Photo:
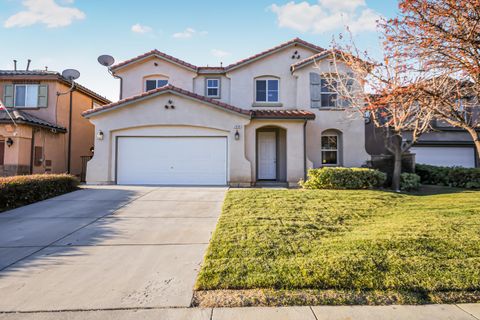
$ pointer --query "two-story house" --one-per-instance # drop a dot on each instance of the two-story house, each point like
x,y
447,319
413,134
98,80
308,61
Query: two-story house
x,y
267,118
47,133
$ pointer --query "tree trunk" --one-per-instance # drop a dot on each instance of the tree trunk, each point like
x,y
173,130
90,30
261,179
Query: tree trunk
x,y
476,139
397,162
397,171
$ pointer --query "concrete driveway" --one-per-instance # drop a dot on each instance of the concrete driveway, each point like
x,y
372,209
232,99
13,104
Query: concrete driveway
x,y
109,247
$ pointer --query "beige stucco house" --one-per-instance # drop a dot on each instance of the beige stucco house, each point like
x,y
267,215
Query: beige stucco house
x,y
44,131
267,118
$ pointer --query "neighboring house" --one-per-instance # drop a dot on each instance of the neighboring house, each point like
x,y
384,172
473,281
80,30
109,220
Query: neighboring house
x,y
267,118
50,135
443,146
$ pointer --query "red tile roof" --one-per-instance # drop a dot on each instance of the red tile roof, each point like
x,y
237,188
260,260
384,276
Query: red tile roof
x,y
155,52
261,114
311,59
271,50
165,89
283,114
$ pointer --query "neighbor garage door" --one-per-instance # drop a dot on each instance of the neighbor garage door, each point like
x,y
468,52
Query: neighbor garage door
x,y
172,160
445,156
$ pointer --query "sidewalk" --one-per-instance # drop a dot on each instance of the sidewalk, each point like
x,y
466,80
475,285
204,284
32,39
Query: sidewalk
x,y
426,312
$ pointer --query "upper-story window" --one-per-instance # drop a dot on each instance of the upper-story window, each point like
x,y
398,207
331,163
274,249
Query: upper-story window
x,y
26,95
213,87
152,84
267,90
324,93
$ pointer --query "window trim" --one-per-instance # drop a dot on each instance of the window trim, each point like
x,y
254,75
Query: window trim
x,y
26,85
156,83
219,81
267,101
337,150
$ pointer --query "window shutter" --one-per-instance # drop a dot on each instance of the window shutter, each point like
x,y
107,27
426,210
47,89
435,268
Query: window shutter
x,y
43,96
8,95
315,90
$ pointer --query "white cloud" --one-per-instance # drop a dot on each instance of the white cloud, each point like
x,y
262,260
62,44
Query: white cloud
x,y
47,12
219,53
138,28
326,15
188,33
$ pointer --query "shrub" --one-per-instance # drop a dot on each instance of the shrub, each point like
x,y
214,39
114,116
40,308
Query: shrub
x,y
409,181
449,176
344,178
22,190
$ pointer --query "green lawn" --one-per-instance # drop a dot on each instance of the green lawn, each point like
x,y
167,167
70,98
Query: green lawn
x,y
346,241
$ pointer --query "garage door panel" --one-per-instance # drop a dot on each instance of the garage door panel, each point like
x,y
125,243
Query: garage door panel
x,y
172,160
445,156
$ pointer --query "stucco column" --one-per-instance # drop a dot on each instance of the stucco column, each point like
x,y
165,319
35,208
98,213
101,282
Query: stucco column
x,y
295,155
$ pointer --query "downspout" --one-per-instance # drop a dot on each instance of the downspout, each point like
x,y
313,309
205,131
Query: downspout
x,y
305,150
121,82
32,148
69,152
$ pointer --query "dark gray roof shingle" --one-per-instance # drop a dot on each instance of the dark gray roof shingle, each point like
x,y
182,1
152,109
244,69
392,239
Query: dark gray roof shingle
x,y
23,117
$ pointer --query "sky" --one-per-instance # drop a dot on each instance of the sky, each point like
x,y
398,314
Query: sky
x,y
63,34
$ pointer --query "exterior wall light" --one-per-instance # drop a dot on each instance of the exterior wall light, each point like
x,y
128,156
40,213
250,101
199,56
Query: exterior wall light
x,y
9,142
100,135
237,135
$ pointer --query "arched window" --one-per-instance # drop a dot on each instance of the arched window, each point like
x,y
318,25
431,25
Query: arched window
x,y
155,81
331,148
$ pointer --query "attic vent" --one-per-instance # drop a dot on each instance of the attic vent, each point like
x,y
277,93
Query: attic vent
x,y
295,55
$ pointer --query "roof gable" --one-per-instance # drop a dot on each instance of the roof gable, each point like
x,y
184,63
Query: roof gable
x,y
163,90
206,70
261,55
157,54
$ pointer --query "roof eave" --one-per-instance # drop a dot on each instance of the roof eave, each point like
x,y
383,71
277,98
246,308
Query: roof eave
x,y
33,124
114,68
245,114
306,117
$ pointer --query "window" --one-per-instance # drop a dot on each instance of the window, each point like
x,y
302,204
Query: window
x,y
328,95
266,90
26,95
155,83
330,149
213,88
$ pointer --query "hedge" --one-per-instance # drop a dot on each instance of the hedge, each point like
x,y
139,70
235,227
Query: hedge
x,y
409,181
449,176
18,191
344,178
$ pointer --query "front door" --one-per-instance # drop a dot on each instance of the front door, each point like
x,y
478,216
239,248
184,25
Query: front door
x,y
267,155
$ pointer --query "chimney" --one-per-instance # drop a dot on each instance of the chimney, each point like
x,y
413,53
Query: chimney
x,y
15,65
28,64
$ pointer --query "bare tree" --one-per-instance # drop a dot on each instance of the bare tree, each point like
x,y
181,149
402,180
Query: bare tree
x,y
445,36
386,92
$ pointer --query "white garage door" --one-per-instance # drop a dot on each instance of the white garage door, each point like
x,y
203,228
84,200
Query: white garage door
x,y
445,156
172,160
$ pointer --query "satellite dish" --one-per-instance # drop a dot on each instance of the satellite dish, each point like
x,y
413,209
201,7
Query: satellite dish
x,y
106,60
71,74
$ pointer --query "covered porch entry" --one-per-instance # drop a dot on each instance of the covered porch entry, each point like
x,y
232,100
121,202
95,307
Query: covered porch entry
x,y
275,146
